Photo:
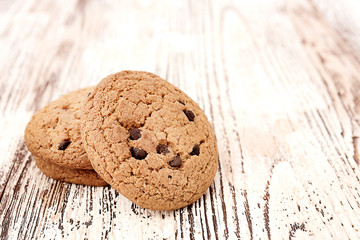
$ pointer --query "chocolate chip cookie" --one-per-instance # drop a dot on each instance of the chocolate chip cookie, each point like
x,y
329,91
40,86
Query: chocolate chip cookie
x,y
53,133
149,140
77,176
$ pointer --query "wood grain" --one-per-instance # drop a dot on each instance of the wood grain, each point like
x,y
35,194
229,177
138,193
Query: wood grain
x,y
279,81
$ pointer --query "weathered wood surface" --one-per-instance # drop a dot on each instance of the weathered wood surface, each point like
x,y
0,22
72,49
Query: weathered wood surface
x,y
279,80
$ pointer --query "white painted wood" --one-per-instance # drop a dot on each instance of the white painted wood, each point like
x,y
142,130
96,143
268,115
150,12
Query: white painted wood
x,y
279,80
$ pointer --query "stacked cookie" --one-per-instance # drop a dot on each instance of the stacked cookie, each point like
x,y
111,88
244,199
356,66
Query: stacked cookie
x,y
53,136
138,132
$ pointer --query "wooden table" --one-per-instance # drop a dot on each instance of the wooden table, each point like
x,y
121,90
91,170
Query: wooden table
x,y
279,81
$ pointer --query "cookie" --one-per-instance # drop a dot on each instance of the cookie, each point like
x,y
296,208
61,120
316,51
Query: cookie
x,y
53,133
149,140
77,176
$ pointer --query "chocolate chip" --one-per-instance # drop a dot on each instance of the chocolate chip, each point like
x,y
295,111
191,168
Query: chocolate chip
x,y
89,94
135,134
190,115
175,162
195,150
64,144
181,102
138,153
162,149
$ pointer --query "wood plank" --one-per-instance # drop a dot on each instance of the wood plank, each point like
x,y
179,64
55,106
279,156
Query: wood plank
x,y
343,17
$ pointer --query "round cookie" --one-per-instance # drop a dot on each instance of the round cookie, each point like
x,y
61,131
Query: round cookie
x,y
77,176
149,140
53,133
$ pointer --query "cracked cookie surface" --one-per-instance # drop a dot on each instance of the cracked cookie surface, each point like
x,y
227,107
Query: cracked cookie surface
x,y
149,140
77,176
53,133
